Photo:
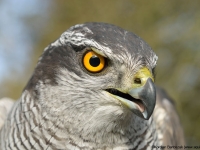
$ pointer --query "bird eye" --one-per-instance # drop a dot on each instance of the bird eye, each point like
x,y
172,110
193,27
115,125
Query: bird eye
x,y
93,62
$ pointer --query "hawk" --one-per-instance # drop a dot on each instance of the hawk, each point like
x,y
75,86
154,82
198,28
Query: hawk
x,y
93,88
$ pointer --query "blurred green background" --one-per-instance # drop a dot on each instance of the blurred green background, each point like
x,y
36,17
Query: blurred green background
x,y
170,27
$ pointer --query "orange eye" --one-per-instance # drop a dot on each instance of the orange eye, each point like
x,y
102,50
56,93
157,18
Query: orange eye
x,y
93,62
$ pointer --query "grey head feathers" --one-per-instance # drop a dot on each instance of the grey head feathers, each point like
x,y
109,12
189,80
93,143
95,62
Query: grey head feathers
x,y
111,41
64,89
66,106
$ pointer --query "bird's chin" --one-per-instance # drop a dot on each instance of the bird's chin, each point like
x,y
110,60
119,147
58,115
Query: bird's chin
x,y
134,105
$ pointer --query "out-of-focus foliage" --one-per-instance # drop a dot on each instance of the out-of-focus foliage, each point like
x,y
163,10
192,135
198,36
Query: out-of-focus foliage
x,y
171,27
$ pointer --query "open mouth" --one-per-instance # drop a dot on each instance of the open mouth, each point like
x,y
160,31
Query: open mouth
x,y
128,97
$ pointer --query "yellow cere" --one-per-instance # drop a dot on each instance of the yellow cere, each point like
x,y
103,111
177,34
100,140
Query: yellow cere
x,y
143,74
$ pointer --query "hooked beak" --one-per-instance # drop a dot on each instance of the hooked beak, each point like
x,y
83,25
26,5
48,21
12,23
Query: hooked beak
x,y
141,98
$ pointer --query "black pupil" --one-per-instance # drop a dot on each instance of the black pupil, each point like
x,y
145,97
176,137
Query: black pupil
x,y
94,61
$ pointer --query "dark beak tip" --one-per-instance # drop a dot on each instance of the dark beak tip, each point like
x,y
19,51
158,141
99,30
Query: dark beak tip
x,y
148,96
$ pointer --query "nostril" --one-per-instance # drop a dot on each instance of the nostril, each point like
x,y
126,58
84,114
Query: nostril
x,y
137,81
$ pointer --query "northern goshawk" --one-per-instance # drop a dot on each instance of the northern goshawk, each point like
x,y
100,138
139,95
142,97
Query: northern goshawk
x,y
93,88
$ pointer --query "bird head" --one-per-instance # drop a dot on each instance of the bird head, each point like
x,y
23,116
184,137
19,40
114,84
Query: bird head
x,y
95,73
